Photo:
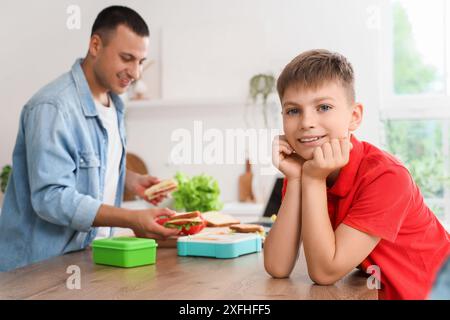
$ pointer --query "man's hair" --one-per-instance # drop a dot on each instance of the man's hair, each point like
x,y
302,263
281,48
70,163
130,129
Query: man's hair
x,y
312,69
111,17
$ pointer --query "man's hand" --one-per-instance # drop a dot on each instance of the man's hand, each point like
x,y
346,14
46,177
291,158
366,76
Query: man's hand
x,y
145,226
285,159
327,158
138,183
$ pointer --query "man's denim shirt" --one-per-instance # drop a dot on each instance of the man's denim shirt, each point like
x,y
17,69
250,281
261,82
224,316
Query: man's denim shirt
x,y
57,182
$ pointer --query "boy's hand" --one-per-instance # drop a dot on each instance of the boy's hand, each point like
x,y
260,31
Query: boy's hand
x,y
285,159
327,158
144,223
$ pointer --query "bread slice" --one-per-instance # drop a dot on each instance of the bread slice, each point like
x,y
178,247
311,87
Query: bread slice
x,y
185,215
180,222
247,228
217,219
161,188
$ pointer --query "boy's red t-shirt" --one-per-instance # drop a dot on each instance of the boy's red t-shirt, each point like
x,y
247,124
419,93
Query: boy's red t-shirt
x,y
375,193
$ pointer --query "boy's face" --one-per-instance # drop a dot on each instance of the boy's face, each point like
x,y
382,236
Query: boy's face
x,y
312,117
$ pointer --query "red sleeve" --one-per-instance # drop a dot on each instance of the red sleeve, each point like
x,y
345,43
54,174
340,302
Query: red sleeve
x,y
382,203
283,190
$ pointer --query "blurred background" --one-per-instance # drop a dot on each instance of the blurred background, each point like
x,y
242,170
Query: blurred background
x,y
203,56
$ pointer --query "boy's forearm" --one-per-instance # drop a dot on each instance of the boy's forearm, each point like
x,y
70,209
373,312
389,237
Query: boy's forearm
x,y
282,244
317,231
109,216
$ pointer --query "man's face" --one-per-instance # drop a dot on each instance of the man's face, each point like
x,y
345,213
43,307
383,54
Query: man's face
x,y
312,117
120,62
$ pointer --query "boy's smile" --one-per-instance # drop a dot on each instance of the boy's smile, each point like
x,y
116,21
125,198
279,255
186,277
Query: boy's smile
x,y
311,141
313,116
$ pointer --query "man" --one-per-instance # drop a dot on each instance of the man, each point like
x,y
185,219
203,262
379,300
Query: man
x,y
69,169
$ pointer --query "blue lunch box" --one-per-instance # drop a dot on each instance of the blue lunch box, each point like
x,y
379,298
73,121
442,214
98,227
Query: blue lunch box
x,y
221,246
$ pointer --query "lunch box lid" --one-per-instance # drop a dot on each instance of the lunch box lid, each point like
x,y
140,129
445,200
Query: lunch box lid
x,y
219,245
230,238
124,243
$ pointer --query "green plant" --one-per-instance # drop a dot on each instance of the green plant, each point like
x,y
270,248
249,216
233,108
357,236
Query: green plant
x,y
4,177
418,144
411,74
262,85
200,193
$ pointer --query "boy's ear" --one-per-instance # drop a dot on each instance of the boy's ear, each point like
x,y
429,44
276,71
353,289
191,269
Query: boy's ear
x,y
357,114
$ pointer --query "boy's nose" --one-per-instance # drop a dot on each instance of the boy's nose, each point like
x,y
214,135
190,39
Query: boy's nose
x,y
307,121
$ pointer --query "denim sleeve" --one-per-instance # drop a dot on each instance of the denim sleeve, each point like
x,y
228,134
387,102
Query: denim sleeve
x,y
51,165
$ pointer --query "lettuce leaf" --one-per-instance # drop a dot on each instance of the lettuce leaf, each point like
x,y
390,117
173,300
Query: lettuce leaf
x,y
179,227
200,193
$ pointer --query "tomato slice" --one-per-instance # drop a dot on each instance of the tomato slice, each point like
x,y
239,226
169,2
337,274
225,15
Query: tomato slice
x,y
161,221
184,231
193,229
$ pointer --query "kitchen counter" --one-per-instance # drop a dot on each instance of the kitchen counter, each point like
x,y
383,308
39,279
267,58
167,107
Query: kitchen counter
x,y
174,277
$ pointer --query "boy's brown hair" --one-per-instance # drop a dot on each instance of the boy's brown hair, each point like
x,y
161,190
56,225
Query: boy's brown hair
x,y
313,68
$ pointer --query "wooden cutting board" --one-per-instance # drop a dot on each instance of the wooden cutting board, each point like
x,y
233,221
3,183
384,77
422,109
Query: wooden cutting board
x,y
136,164
245,184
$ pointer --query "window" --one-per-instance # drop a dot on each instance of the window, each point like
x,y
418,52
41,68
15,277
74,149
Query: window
x,y
418,47
416,96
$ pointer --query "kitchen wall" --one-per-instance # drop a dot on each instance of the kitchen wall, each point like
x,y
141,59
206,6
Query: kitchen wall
x,y
205,52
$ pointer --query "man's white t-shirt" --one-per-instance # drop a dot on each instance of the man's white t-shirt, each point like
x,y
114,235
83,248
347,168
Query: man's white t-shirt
x,y
108,116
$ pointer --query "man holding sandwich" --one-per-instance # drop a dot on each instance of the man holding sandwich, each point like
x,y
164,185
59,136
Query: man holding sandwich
x,y
69,170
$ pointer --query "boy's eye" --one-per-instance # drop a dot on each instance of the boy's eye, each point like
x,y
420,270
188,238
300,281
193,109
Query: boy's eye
x,y
292,112
324,107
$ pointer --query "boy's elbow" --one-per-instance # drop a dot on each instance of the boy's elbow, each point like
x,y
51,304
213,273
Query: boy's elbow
x,y
276,272
322,278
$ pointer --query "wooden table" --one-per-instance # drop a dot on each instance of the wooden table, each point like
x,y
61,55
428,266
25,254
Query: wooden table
x,y
174,277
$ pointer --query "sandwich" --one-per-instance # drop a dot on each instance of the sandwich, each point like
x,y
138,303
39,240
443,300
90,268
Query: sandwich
x,y
188,223
217,219
161,188
249,228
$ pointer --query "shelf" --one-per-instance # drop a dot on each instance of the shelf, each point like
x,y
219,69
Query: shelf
x,y
185,104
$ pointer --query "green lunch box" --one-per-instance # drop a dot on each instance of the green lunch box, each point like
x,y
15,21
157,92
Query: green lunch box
x,y
124,252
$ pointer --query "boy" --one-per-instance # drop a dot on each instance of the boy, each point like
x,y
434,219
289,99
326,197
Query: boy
x,y
348,202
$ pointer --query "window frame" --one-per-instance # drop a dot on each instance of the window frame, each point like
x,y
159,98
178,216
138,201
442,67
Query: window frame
x,y
416,106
